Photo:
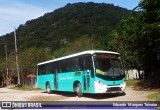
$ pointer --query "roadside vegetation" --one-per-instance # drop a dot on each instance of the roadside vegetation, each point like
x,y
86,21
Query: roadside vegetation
x,y
132,82
24,88
143,85
155,96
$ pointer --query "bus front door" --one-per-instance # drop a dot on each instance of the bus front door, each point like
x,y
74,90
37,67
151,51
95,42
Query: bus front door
x,y
86,80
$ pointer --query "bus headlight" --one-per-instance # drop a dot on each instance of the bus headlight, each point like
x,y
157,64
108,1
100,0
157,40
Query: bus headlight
x,y
100,87
99,82
123,85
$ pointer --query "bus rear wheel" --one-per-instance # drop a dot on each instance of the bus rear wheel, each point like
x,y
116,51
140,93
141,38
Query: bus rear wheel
x,y
79,90
48,88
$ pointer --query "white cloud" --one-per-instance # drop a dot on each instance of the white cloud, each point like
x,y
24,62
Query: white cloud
x,y
15,13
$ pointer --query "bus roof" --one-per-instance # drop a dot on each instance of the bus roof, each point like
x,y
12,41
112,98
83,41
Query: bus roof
x,y
78,54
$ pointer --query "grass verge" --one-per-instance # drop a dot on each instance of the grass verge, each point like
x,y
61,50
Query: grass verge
x,y
24,88
132,82
154,96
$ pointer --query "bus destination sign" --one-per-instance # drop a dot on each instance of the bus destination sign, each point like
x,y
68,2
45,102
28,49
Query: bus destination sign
x,y
108,55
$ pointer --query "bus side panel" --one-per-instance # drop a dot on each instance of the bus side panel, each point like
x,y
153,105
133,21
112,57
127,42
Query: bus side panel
x,y
87,84
43,79
92,87
66,80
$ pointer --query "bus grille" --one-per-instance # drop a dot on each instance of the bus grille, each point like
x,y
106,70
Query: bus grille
x,y
112,89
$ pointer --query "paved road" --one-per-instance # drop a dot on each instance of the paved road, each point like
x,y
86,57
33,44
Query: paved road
x,y
38,95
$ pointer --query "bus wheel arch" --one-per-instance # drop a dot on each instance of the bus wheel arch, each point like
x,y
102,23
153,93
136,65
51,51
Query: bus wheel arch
x,y
48,87
78,88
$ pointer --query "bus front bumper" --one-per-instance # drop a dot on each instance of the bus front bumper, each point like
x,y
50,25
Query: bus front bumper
x,y
103,88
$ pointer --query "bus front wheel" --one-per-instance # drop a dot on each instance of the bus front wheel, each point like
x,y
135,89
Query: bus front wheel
x,y
48,88
79,90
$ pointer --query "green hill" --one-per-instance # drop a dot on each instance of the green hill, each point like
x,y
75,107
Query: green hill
x,y
68,23
72,28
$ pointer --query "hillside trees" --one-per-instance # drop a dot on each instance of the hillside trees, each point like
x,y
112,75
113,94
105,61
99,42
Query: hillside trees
x,y
81,44
28,60
150,40
137,38
78,45
70,22
3,72
125,40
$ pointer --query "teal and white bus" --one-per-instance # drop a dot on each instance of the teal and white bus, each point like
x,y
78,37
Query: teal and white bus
x,y
92,71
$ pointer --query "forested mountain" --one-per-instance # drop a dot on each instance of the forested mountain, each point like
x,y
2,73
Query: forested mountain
x,y
66,24
72,28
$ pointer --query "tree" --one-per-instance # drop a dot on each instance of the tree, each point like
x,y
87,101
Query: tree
x,y
137,38
125,41
29,58
81,44
149,16
3,75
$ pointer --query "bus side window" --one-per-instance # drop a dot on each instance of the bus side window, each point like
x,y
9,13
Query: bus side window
x,y
75,64
54,67
47,69
41,69
87,63
51,68
61,66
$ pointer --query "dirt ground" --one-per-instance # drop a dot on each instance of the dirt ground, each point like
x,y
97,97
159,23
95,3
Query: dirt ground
x,y
39,95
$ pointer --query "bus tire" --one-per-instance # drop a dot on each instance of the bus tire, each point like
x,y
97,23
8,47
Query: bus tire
x,y
48,88
79,90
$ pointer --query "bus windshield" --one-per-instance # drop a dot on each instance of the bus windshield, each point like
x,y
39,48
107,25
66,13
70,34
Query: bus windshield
x,y
108,65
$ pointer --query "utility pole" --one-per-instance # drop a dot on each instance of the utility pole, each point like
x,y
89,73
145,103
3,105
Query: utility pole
x,y
6,58
17,64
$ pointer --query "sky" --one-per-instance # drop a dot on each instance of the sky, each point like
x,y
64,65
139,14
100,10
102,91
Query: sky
x,y
16,12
